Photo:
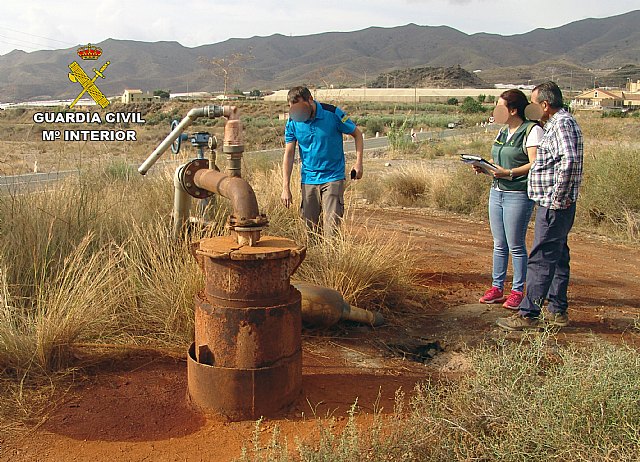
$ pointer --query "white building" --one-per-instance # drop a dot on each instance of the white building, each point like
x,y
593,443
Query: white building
x,y
135,96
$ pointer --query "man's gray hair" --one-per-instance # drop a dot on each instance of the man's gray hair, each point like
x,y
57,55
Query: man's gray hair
x,y
551,93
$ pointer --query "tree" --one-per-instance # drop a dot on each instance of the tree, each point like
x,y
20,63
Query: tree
x,y
491,99
255,93
452,101
162,94
229,67
471,105
481,98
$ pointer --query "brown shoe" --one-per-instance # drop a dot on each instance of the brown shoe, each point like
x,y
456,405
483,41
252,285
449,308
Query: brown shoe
x,y
517,322
556,319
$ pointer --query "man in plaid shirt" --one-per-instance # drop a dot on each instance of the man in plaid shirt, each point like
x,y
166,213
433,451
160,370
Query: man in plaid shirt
x,y
554,181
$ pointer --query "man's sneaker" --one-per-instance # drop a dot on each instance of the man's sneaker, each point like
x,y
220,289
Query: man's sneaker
x,y
493,295
513,301
556,319
517,322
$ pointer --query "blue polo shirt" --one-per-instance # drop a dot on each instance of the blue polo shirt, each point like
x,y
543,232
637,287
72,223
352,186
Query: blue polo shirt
x,y
320,143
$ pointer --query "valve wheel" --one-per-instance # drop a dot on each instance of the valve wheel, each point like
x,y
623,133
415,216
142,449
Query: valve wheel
x,y
175,146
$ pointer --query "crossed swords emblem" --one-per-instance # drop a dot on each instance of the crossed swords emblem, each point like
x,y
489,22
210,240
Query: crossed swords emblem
x,y
77,74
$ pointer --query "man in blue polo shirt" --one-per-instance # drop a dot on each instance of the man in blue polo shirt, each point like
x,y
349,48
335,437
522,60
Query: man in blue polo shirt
x,y
317,129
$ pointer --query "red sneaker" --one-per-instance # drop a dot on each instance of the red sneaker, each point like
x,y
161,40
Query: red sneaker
x,y
493,295
513,301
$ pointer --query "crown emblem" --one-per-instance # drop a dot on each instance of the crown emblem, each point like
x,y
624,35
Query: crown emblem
x,y
89,52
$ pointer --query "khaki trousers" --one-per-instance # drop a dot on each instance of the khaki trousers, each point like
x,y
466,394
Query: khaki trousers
x,y
327,198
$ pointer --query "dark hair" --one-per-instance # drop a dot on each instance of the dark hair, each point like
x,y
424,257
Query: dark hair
x,y
551,93
297,93
515,99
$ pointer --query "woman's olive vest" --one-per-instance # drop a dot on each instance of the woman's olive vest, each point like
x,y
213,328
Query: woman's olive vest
x,y
512,154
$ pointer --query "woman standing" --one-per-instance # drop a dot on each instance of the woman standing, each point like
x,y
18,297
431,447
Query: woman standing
x,y
510,208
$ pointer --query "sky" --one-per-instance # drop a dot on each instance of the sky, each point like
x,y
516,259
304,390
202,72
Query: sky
x,y
31,25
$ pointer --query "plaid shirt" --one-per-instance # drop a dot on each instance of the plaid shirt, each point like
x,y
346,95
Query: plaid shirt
x,y
556,174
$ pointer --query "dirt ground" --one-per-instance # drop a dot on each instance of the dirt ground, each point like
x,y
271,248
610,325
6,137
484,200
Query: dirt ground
x,y
136,409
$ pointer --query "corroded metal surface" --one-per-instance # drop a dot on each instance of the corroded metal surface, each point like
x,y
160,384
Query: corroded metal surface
x,y
246,360
188,173
243,394
248,337
249,273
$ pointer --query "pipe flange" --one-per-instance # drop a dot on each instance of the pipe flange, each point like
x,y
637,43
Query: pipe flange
x,y
187,178
242,222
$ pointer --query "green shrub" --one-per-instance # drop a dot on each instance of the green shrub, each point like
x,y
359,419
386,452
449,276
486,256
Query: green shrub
x,y
120,170
375,125
615,114
471,106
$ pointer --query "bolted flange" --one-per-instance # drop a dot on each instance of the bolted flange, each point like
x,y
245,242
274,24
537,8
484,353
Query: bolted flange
x,y
187,178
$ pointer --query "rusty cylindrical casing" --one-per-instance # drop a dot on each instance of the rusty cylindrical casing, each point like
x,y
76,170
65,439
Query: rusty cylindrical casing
x,y
246,361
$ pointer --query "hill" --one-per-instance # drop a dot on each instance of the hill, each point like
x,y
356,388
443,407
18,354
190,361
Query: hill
x,y
337,58
429,77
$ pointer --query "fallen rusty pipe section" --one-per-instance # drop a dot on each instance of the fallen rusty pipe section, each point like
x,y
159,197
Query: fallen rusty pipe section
x,y
324,307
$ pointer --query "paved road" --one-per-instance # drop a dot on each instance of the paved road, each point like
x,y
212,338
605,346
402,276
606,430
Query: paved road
x,y
38,181
383,142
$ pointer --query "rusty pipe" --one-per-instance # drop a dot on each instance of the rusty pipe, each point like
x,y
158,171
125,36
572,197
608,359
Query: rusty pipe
x,y
324,307
233,146
236,189
195,113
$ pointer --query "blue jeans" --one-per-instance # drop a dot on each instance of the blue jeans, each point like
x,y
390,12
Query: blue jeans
x,y
549,267
509,215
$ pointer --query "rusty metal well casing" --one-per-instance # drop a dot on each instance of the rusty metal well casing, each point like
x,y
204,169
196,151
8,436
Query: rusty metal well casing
x,y
246,360
246,338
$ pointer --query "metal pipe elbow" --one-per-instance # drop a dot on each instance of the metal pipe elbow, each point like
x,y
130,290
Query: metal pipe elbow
x,y
237,190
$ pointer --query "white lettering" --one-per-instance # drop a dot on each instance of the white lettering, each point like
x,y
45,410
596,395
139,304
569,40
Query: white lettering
x,y
124,117
100,135
67,117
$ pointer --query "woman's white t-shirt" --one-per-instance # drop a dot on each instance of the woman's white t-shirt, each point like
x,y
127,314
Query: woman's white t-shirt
x,y
535,135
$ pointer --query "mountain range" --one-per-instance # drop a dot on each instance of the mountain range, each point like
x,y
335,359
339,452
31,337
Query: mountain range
x,y
578,54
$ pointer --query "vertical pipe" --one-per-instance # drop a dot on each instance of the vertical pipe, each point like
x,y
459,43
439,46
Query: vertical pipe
x,y
181,204
233,146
